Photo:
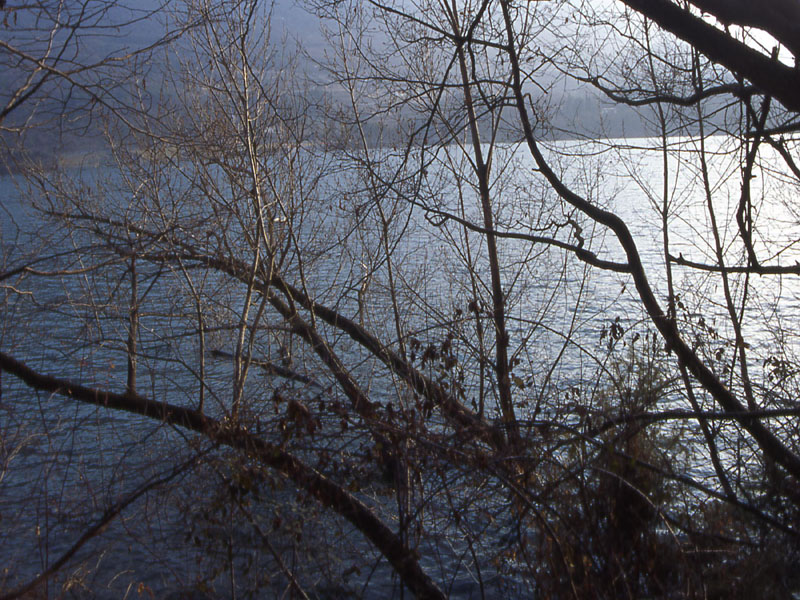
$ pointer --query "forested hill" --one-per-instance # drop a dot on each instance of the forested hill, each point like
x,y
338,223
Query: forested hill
x,y
66,133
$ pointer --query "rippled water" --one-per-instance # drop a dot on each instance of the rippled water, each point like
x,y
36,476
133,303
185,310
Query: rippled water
x,y
65,463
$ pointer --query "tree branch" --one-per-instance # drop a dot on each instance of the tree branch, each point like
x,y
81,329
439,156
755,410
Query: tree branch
x,y
327,492
770,76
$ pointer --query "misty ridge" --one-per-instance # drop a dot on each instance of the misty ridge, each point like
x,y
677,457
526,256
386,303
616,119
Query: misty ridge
x,y
565,111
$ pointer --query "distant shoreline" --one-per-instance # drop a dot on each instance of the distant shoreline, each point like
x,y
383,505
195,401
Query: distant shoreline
x,y
92,159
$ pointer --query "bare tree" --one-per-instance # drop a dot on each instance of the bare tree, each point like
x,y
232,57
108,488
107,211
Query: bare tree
x,y
399,339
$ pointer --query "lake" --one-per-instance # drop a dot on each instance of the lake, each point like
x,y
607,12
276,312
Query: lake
x,y
63,464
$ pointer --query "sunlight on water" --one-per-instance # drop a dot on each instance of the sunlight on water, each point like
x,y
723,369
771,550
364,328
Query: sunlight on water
x,y
558,317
